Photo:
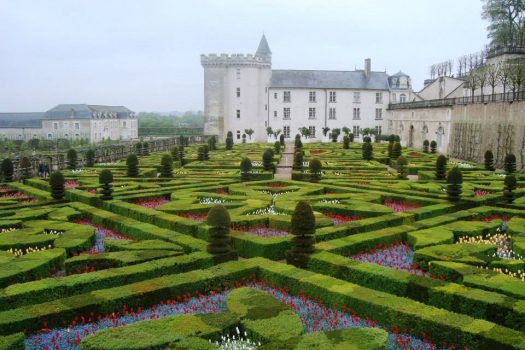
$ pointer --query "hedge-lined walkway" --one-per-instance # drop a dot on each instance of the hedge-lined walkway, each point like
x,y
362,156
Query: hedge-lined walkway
x,y
284,168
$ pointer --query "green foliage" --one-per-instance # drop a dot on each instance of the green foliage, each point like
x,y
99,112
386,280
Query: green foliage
x,y
510,186
145,148
389,149
335,134
212,143
246,168
303,230
392,138
367,150
396,150
510,163
105,178
249,132
90,158
277,147
346,142
316,169
425,146
181,155
351,137
298,143
132,163
346,130
219,241
56,181
174,152
441,167
402,168
166,166
281,140
26,168
72,158
138,148
326,130
297,160
433,146
229,141
489,161
267,160
454,181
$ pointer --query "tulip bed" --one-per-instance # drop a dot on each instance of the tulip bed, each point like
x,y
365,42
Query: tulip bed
x,y
396,265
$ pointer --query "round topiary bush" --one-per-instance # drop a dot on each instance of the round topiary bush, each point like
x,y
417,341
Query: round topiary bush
x,y
425,146
402,168
346,142
367,151
166,166
297,160
90,158
489,161
7,170
132,163
56,182
72,158
267,160
219,241
510,163
433,146
26,168
105,178
316,169
396,150
441,167
297,142
454,181
303,231
246,169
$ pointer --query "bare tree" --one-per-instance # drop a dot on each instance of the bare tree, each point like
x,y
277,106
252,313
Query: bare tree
x,y
493,76
481,77
471,81
516,76
504,77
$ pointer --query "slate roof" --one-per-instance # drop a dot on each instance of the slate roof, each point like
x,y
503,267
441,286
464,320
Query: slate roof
x,y
324,79
21,120
83,111
264,49
400,74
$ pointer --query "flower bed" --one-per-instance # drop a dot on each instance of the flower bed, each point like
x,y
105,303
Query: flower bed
x,y
481,193
13,195
152,203
100,235
277,185
341,219
262,231
399,206
71,184
200,217
494,217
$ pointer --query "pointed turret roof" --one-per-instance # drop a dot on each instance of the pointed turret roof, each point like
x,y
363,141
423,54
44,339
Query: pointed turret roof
x,y
264,49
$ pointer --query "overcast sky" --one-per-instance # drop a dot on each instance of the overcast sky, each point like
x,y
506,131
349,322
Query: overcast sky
x,y
146,54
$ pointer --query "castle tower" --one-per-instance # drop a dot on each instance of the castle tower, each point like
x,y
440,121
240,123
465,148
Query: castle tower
x,y
236,92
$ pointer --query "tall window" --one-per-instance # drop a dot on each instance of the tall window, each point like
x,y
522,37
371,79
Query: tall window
x,y
55,126
275,114
311,113
238,73
379,97
275,95
238,114
286,131
238,92
394,98
402,98
332,97
311,128
356,130
331,113
238,134
286,113
378,130
287,96
77,126
379,114
357,114
311,96
357,97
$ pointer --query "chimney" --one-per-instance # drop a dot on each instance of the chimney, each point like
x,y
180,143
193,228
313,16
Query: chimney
x,y
368,66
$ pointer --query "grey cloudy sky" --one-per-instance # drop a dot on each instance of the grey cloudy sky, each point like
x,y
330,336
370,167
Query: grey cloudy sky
x,y
145,54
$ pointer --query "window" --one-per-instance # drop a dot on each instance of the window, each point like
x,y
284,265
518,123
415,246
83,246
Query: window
x,y
357,97
50,136
238,134
402,98
124,124
238,114
77,126
331,113
55,126
379,114
357,114
286,113
394,98
379,97
332,97
311,128
238,92
65,125
311,113
287,96
378,130
238,73
275,114
311,96
275,95
356,130
286,131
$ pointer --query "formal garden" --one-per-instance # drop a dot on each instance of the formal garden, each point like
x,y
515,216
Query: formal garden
x,y
367,245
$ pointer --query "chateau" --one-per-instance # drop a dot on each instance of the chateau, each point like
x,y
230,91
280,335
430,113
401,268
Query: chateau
x,y
243,92
71,121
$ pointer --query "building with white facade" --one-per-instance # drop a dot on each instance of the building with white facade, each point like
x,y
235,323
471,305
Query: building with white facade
x,y
71,121
243,92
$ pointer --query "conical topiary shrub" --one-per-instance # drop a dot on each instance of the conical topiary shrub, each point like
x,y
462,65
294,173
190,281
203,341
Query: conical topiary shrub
x,y
174,153
510,163
441,167
454,181
298,143
219,241
303,231
433,146
246,169
26,168
7,170
396,151
72,158
425,146
297,160
90,158
277,147
389,149
56,182
510,186
206,152
402,168
229,141
351,137
145,148
132,163
105,178
281,140
367,151
346,142
267,160
166,166
316,169
489,161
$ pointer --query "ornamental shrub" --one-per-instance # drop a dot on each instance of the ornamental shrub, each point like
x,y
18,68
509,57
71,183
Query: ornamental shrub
x,y
90,158
396,150
433,146
281,140
351,137
389,149
246,168
229,143
367,139
26,168
105,178
367,151
392,138
489,161
303,231
267,159
206,152
219,240
7,170
298,143
297,160
166,166
402,168
132,162
56,182
138,148
181,155
510,185
243,138
200,153
425,146
335,134
441,167
277,147
174,153
228,134
212,143
454,181
510,163
346,142
315,169
72,157
145,148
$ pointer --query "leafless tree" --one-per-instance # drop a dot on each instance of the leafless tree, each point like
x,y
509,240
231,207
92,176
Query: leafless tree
x,y
493,76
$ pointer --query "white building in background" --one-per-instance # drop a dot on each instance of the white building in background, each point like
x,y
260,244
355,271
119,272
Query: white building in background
x,y
243,92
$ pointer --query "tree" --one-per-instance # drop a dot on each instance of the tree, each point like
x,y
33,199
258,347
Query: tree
x,y
276,133
425,146
298,143
454,181
506,18
441,167
516,75
229,142
206,152
269,131
243,138
105,178
249,132
72,157
26,168
138,148
471,81
267,160
277,147
174,152
281,140
315,169
132,162
246,169
481,76
181,155
351,137
166,166
510,185
56,182
219,240
396,150
303,231
402,168
335,134
7,170
367,151
145,148
433,146
510,163
346,142
390,148
90,158
493,76
346,130
297,160
489,161
200,153
212,142
326,130
305,132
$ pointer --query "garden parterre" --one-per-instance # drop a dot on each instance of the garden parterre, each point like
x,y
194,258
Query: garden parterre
x,y
396,264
